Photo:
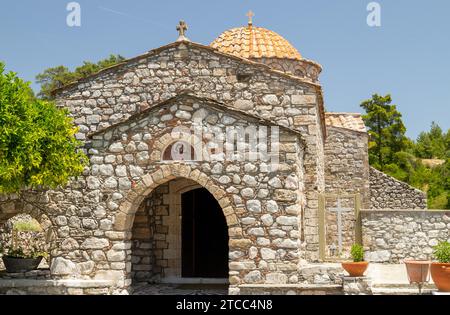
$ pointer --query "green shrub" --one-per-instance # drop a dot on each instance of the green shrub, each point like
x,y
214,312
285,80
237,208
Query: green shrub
x,y
28,226
25,240
442,252
357,253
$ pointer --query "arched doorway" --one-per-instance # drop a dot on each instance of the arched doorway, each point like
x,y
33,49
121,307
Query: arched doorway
x,y
180,235
204,236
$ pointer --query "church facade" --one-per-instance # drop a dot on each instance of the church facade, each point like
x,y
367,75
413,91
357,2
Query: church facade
x,y
210,162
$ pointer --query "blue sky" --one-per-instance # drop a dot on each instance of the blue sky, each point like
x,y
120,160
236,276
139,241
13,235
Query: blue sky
x,y
408,56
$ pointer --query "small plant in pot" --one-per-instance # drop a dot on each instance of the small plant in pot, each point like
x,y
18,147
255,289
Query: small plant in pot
x,y
24,249
440,271
358,266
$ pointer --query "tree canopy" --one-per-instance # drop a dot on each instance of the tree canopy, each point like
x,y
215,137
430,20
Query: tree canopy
x,y
386,130
37,144
434,144
393,153
56,77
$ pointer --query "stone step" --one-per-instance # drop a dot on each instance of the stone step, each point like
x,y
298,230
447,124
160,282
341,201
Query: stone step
x,y
400,291
402,286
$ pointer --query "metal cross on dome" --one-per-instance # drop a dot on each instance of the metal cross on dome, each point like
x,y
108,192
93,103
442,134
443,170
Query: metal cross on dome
x,y
182,28
250,15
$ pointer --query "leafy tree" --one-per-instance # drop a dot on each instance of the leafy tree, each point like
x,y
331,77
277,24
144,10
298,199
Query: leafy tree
x,y
432,144
393,153
386,130
56,77
37,144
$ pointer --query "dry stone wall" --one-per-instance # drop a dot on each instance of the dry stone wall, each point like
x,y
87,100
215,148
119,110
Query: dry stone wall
x,y
388,193
390,236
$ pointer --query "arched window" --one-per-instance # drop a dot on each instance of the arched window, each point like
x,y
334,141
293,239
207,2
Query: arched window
x,y
179,151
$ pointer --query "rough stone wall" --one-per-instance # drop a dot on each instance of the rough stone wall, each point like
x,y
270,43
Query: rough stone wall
x,y
300,68
40,283
388,193
114,95
346,173
94,215
156,239
143,249
347,163
314,184
390,236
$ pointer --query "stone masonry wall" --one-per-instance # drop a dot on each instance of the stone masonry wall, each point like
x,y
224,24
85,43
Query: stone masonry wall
x,y
347,163
346,173
390,236
300,68
388,193
114,95
93,217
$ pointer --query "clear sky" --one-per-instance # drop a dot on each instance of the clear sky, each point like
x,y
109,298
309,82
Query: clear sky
x,y
407,56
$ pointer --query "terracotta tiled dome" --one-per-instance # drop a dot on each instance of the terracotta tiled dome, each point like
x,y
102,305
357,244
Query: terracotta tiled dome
x,y
255,42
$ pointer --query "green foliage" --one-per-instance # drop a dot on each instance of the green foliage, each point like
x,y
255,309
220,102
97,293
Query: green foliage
x,y
433,144
442,252
25,240
37,144
20,253
56,77
386,130
393,153
27,226
357,253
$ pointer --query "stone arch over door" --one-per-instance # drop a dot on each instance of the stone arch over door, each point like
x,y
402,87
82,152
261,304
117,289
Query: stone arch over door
x,y
167,172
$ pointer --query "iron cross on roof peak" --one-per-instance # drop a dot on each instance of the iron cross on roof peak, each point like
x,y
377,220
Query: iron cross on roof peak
x,y
182,28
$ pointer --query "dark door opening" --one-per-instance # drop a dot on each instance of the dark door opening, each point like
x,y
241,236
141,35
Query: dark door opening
x,y
204,236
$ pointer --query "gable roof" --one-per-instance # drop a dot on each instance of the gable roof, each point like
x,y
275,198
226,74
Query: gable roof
x,y
351,121
194,45
295,79
210,102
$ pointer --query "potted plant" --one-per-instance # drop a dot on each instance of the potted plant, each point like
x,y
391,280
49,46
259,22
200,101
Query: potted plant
x,y
440,271
24,249
358,266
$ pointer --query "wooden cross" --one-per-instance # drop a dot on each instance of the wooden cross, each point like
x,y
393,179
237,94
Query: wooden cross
x,y
182,28
250,15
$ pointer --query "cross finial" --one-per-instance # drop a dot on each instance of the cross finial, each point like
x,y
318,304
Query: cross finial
x,y
250,15
182,28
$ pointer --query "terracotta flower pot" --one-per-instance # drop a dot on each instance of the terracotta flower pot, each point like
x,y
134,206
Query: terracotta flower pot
x,y
418,271
441,276
355,269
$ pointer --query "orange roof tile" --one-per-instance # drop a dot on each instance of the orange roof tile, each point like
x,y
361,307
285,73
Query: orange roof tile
x,y
352,121
255,42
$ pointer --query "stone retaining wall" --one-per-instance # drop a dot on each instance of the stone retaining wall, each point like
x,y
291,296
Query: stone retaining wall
x,y
21,284
388,193
291,289
390,236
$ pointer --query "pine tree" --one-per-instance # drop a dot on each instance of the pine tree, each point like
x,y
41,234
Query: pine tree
x,y
386,130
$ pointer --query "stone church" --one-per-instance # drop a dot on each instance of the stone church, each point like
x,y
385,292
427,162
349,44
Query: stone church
x,y
211,163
